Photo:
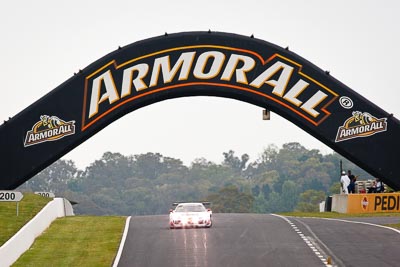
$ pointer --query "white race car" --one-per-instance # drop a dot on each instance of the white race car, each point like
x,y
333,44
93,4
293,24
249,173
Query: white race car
x,y
187,215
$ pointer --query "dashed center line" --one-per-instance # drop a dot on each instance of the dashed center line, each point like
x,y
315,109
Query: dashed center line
x,y
305,239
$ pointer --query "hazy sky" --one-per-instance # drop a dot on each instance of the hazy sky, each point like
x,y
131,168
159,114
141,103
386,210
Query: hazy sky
x,y
44,42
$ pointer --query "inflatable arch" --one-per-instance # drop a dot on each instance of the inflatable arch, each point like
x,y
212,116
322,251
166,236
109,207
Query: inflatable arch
x,y
199,64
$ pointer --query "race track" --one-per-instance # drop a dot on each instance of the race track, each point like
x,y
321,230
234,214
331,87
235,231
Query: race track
x,y
260,240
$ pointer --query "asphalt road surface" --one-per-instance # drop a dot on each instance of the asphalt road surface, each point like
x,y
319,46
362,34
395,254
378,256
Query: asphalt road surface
x,y
261,240
355,241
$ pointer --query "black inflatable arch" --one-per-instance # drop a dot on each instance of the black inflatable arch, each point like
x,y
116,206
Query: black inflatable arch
x,y
199,64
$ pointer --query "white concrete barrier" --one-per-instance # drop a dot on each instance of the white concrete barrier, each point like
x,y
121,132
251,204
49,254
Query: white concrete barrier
x,y
339,203
322,206
24,238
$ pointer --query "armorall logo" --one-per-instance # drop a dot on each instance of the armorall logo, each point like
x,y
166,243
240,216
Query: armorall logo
x,y
277,78
361,124
49,128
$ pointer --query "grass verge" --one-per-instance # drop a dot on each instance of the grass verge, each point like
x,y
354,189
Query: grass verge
x,y
10,223
76,241
397,225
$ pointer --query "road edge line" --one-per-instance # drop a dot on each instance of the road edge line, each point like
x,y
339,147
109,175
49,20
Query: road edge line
x,y
358,222
122,243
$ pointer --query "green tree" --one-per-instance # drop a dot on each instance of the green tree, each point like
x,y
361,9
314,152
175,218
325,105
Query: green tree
x,y
289,196
335,189
110,171
255,190
230,200
54,178
274,203
148,165
309,201
260,204
237,164
266,190
148,183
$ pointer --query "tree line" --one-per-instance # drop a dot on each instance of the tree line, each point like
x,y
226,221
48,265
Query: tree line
x,y
282,179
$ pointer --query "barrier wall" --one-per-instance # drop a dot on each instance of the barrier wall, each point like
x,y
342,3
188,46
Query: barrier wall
x,y
385,202
366,203
339,203
21,241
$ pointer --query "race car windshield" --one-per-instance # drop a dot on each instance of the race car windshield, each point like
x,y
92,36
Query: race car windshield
x,y
190,208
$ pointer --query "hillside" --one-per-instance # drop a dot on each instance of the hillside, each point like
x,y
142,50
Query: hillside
x,y
10,223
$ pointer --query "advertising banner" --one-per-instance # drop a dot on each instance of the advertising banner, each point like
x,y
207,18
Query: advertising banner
x,y
369,203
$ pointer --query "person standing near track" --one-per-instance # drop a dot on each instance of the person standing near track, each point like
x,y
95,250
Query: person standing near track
x,y
344,182
352,185
380,188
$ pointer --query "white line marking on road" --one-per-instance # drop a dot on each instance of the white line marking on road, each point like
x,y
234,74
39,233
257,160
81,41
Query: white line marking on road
x,y
305,239
122,244
357,222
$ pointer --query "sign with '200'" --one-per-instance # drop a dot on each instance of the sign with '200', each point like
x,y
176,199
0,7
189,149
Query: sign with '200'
x,y
10,196
45,194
